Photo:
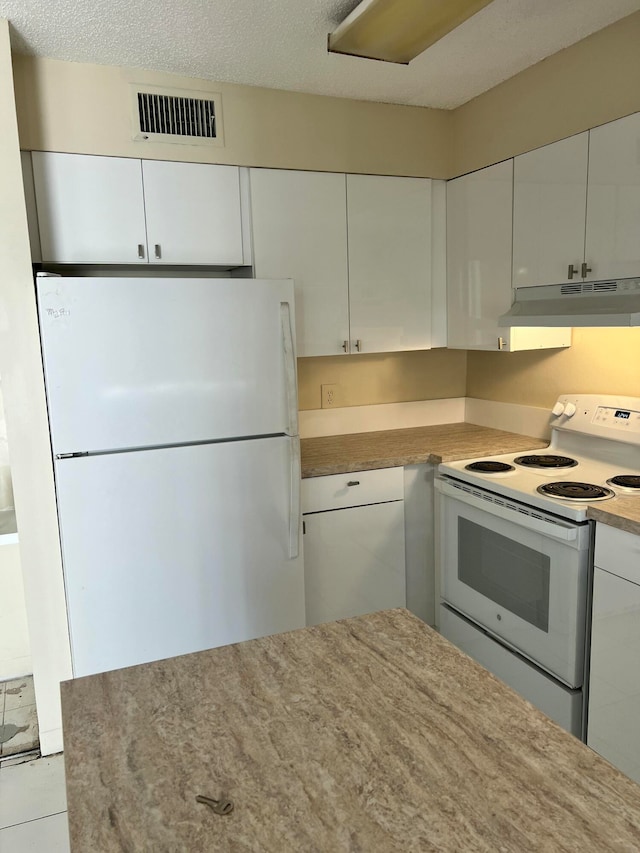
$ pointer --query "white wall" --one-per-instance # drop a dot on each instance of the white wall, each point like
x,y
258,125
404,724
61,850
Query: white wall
x,y
27,428
15,652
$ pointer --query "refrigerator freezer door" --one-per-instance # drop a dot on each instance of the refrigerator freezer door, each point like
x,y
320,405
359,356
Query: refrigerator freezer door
x,y
176,550
149,362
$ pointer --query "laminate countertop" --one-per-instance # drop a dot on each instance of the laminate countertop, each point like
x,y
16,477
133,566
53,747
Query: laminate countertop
x,y
362,451
622,512
368,734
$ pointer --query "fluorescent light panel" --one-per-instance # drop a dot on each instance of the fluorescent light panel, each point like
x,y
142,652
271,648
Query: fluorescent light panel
x,y
399,30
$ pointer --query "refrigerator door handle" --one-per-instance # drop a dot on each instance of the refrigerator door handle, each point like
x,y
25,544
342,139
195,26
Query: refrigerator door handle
x,y
289,368
295,507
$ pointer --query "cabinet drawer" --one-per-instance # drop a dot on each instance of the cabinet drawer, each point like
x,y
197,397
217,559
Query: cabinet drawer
x,y
618,552
355,489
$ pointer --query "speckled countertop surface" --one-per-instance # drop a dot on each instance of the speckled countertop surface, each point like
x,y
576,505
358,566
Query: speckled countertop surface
x,y
362,451
622,512
369,734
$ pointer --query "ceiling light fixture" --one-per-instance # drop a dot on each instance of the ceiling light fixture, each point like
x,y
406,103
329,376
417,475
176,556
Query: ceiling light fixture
x,y
399,30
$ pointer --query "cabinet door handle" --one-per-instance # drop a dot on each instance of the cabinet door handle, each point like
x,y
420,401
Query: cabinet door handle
x,y
158,251
585,270
572,270
353,483
501,343
141,251
359,345
345,346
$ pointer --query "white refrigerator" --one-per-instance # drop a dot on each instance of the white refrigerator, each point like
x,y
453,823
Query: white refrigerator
x,y
174,431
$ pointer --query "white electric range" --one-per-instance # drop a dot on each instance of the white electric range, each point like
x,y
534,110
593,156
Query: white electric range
x,y
515,549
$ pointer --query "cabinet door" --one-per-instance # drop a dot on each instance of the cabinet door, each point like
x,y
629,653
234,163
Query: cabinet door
x,y
193,213
613,200
354,561
549,207
300,232
90,209
389,222
614,680
479,211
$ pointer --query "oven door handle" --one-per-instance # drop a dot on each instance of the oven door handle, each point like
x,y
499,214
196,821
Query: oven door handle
x,y
553,529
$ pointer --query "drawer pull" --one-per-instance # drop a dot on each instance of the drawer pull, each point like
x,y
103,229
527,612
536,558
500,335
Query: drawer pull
x,y
353,483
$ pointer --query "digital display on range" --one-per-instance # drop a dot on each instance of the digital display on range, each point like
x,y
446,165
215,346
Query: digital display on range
x,y
622,414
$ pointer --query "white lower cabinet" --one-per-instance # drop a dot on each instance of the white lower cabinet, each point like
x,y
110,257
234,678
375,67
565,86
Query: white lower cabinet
x,y
353,548
614,677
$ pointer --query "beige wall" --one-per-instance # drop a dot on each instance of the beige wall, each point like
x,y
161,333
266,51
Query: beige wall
x,y
594,81
80,108
27,428
397,377
591,82
86,108
603,361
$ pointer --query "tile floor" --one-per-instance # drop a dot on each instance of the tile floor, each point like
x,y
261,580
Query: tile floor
x,y
18,719
33,817
33,802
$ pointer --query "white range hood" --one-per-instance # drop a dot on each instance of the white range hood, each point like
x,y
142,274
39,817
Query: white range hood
x,y
591,303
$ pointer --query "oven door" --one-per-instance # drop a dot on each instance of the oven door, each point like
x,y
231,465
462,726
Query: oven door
x,y
519,573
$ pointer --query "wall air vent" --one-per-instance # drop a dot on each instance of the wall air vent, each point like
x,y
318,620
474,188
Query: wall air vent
x,y
175,115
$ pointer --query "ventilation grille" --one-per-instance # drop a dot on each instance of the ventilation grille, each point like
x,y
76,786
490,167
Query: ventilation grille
x,y
514,506
567,289
589,287
176,116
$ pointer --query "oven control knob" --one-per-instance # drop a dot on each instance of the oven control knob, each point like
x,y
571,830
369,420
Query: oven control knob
x,y
558,409
570,410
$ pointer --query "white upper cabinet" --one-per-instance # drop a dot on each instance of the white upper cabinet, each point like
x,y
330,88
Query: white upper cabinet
x,y
358,250
479,256
300,232
549,205
479,233
116,210
613,201
90,209
193,213
389,228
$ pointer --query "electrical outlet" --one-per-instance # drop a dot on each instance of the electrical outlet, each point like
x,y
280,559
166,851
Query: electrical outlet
x,y
329,394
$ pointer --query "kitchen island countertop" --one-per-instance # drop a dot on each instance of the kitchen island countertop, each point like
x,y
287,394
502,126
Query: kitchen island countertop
x,y
363,451
372,733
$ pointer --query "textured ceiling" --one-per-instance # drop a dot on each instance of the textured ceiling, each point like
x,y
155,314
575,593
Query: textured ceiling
x,y
282,43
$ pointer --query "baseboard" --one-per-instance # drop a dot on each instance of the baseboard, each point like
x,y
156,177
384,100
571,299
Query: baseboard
x,y
51,742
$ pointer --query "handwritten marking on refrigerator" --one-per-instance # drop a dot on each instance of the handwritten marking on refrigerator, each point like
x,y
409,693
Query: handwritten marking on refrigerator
x,y
56,313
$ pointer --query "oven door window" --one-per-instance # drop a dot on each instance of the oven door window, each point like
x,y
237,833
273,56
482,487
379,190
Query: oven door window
x,y
510,574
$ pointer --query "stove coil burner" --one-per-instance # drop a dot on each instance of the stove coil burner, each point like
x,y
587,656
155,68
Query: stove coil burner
x,y
575,491
489,466
626,481
545,460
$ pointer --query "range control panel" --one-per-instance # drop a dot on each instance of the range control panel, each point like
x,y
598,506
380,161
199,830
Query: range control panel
x,y
598,414
626,419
